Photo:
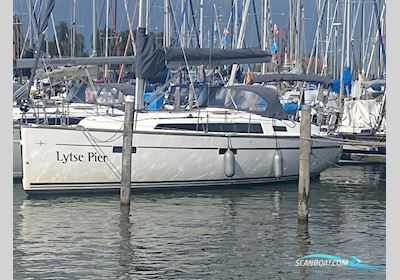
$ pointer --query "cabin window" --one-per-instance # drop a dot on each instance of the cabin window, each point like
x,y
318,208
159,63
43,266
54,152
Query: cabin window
x,y
51,120
242,100
214,127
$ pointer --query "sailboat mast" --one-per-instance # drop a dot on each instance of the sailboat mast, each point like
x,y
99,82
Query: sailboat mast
x,y
148,15
73,28
139,87
106,43
319,15
362,38
291,32
167,36
236,23
341,90
94,50
30,24
348,10
327,35
265,32
201,29
183,25
298,35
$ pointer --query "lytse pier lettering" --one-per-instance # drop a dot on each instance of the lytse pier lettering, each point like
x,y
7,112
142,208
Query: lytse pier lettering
x,y
71,157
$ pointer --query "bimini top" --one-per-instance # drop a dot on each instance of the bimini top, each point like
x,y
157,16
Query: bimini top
x,y
257,99
323,80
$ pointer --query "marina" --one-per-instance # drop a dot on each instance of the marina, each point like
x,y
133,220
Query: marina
x,y
243,143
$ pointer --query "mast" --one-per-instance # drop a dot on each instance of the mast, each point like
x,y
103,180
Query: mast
x,y
148,15
319,15
167,36
348,10
265,32
298,35
46,35
30,24
139,87
327,37
236,23
291,33
362,38
301,34
201,29
73,29
114,30
94,50
211,38
342,56
106,47
183,25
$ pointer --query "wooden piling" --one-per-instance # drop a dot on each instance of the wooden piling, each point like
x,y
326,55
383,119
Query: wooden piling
x,y
304,162
125,193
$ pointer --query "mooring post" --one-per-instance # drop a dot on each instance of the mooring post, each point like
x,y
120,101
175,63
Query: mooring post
x,y
125,193
304,162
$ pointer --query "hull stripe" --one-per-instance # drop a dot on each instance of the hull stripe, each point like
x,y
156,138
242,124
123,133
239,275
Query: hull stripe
x,y
161,183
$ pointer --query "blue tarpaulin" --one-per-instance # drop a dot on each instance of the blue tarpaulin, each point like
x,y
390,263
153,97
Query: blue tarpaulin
x,y
274,48
290,108
346,82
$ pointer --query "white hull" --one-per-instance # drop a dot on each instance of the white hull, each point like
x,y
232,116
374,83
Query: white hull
x,y
17,161
75,110
81,159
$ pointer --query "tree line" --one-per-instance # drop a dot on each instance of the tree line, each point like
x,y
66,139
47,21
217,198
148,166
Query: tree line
x,y
117,42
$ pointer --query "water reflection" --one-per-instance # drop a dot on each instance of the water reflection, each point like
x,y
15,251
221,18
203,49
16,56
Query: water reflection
x,y
126,254
303,242
246,232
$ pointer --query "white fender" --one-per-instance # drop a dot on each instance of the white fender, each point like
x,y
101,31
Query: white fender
x,y
278,164
229,163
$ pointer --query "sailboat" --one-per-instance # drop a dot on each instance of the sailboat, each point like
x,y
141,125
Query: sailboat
x,y
241,137
234,135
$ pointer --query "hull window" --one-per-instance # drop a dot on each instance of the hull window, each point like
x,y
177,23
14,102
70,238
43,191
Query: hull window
x,y
214,127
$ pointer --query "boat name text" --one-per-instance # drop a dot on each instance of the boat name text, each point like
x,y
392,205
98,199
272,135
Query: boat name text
x,y
71,157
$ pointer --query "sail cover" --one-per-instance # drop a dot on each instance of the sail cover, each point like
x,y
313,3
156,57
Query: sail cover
x,y
175,57
152,59
324,81
360,114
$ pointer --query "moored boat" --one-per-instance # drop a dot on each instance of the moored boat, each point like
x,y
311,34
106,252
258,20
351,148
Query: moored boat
x,y
240,137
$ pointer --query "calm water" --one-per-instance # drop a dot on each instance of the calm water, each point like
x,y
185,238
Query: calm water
x,y
236,233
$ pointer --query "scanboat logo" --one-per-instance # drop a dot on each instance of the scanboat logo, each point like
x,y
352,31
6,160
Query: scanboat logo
x,y
329,260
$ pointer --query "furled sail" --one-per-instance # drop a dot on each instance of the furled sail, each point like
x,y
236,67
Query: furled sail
x,y
323,80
